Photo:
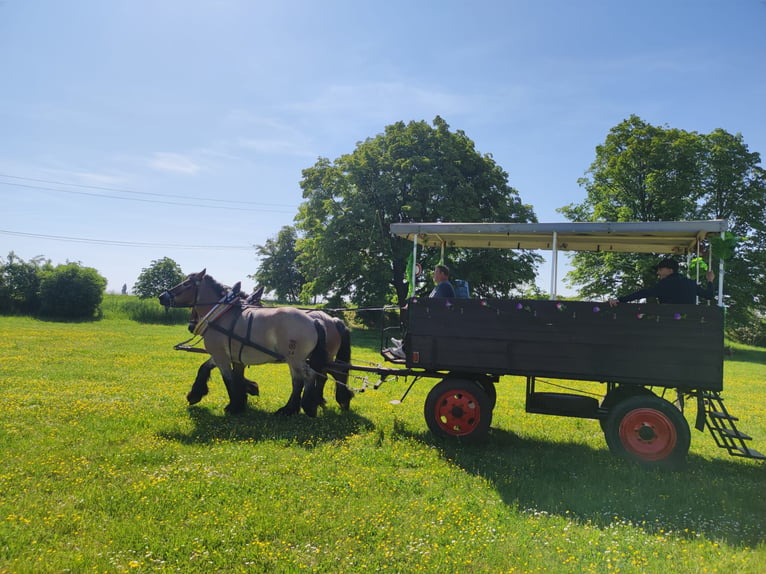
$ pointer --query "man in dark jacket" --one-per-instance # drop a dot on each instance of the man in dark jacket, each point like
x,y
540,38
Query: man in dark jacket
x,y
672,287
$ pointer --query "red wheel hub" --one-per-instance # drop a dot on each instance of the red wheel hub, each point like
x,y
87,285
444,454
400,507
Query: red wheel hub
x,y
648,434
457,413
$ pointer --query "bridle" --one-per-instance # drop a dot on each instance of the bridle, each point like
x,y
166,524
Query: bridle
x,y
170,296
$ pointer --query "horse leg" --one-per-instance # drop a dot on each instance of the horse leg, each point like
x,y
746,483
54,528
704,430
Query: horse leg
x,y
235,385
199,388
343,394
319,382
311,397
294,402
251,387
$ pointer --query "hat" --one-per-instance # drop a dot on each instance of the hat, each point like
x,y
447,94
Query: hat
x,y
668,263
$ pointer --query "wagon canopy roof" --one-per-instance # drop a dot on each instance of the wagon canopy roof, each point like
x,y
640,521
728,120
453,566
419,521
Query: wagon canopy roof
x,y
678,237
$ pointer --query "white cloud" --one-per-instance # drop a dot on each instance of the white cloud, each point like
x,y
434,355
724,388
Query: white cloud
x,y
175,163
384,100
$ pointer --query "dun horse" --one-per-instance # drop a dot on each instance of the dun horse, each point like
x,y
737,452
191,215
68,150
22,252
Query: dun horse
x,y
235,335
338,348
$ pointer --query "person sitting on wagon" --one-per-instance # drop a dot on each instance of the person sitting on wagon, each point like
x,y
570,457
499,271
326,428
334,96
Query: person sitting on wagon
x,y
672,287
443,288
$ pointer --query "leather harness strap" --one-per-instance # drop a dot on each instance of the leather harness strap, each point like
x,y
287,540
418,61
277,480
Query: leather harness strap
x,y
245,342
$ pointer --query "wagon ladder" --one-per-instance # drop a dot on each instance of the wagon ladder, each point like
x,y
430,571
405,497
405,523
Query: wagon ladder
x,y
722,426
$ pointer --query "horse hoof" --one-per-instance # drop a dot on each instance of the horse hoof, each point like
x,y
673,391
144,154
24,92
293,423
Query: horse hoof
x,y
192,399
252,389
285,412
232,410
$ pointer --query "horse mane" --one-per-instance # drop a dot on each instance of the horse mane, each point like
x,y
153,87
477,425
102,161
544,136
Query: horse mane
x,y
219,287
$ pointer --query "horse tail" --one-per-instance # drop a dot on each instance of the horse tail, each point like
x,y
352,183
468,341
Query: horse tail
x,y
318,357
344,353
343,394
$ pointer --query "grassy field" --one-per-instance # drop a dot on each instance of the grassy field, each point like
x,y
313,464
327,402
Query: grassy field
x,y
106,469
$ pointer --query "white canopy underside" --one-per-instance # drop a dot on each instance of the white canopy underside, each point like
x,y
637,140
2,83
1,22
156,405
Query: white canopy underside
x,y
669,237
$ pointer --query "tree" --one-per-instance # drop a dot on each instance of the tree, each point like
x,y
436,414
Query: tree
x,y
734,188
411,172
161,275
650,173
71,291
278,270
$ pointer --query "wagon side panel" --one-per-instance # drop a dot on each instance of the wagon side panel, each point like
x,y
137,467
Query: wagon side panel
x,y
663,345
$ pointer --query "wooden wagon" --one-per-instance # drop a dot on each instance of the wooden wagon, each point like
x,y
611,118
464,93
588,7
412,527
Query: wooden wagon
x,y
651,358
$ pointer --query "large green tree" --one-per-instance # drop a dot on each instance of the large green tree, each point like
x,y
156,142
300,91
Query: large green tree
x,y
411,172
652,173
278,271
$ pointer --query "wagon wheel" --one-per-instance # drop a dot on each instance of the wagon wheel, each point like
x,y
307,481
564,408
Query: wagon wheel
x,y
489,388
649,430
619,394
458,408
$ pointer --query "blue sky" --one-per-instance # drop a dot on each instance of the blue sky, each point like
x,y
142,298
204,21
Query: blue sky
x,y
121,120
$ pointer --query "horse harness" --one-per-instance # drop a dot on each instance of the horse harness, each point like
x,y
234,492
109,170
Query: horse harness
x,y
243,341
225,304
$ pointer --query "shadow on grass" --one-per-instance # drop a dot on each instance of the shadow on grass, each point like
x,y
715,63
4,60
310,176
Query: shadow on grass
x,y
748,356
259,425
718,499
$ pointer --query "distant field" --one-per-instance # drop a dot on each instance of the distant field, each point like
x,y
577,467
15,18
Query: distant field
x,y
106,469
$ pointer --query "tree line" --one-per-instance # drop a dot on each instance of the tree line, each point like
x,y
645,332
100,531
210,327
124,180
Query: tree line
x,y
339,249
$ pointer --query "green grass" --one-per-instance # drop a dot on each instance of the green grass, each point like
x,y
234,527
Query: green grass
x,y
141,310
106,469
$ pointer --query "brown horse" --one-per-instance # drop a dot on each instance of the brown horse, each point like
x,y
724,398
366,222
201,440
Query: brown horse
x,y
237,335
338,344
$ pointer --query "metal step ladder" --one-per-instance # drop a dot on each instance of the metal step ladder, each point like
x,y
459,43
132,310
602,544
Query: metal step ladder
x,y
721,425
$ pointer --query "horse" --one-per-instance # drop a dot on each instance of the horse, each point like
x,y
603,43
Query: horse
x,y
338,349
237,335
199,387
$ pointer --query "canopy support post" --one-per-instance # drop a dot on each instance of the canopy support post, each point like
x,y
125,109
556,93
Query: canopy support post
x,y
414,262
554,265
720,272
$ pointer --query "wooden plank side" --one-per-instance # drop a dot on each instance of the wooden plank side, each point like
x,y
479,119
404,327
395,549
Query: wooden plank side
x,y
665,345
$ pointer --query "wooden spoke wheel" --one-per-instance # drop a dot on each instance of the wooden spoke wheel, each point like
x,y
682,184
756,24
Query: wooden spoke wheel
x,y
649,430
458,408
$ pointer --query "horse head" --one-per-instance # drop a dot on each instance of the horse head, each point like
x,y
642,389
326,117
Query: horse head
x,y
186,293
252,300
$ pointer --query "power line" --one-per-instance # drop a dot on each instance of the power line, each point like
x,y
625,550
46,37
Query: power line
x,y
128,243
236,205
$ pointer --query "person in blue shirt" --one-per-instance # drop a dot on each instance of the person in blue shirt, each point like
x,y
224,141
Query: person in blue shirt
x,y
672,287
443,286
442,289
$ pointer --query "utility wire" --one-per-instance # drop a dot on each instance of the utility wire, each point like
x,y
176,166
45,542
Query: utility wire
x,y
235,205
128,243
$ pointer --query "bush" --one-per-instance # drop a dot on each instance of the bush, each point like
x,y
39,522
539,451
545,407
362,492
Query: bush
x,y
753,333
71,292
20,285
